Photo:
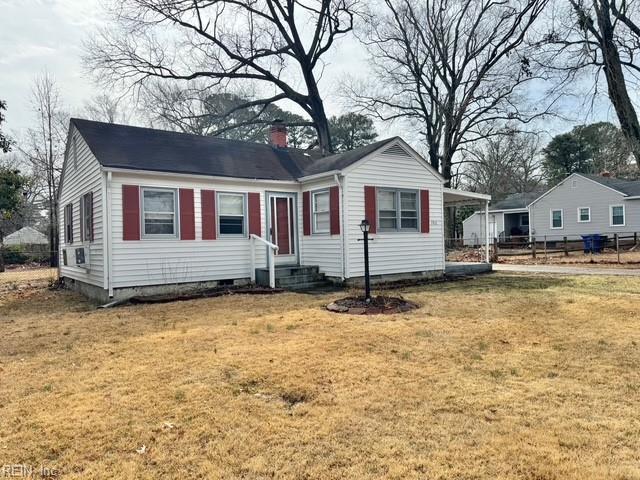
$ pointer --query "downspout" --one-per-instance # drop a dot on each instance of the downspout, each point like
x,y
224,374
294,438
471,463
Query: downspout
x,y
108,229
343,233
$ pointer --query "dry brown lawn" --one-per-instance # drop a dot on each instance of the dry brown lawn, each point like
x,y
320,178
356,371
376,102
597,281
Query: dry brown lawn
x,y
500,377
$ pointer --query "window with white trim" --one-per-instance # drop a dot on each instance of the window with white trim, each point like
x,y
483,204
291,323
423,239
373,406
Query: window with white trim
x,y
231,214
397,209
321,215
86,216
617,216
524,220
68,223
159,212
584,214
557,220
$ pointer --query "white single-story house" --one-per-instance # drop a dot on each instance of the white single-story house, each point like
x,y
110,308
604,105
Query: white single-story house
x,y
581,204
143,211
26,236
507,217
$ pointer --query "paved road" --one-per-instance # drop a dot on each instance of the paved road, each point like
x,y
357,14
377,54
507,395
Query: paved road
x,y
566,269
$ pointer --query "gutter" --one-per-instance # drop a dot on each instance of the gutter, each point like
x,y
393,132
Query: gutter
x,y
318,176
343,232
109,237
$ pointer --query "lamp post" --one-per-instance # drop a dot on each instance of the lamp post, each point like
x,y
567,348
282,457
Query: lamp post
x,y
364,227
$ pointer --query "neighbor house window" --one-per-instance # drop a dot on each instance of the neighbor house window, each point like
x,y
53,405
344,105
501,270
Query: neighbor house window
x,y
584,214
524,220
617,215
159,216
556,219
86,216
321,217
68,223
231,213
397,209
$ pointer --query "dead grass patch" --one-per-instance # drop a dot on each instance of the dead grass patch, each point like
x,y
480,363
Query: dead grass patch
x,y
505,376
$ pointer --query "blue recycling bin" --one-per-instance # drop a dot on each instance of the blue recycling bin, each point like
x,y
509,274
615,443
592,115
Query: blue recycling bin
x,y
593,243
598,243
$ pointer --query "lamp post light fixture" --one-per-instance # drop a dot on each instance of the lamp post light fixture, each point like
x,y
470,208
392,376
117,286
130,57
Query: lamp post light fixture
x,y
364,227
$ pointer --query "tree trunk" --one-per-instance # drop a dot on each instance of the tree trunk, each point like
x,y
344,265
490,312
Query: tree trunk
x,y
1,252
616,85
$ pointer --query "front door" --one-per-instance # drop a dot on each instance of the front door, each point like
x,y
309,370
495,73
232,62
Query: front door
x,y
281,210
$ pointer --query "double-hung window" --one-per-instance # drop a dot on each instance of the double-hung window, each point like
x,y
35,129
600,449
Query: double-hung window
x,y
617,216
584,215
524,219
86,216
231,213
321,216
556,219
159,217
68,223
397,209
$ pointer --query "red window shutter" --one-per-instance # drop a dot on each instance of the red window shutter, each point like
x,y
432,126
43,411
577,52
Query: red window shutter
x,y
334,210
130,212
306,213
254,214
187,215
208,207
370,207
424,211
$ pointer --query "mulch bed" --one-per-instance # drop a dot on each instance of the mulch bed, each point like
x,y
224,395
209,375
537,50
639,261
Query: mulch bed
x,y
378,305
212,292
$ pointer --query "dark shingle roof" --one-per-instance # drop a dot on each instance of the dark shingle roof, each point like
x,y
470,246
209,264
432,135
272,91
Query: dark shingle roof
x,y
137,148
516,200
628,187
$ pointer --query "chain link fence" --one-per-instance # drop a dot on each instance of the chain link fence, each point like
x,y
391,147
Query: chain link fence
x,y
23,264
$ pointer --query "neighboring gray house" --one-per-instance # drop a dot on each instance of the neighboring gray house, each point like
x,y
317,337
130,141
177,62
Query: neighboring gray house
x,y
584,204
508,217
26,236
581,204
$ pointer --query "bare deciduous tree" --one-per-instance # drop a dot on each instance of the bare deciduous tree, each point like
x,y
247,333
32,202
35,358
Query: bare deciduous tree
x,y
278,45
194,108
503,164
602,36
106,108
453,69
44,147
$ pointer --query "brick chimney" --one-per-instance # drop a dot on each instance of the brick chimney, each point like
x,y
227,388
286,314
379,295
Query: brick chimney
x,y
278,134
605,173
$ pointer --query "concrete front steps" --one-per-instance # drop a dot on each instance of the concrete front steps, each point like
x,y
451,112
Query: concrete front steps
x,y
295,277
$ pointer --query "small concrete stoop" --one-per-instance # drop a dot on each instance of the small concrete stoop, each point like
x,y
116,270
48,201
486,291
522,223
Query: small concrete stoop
x,y
295,277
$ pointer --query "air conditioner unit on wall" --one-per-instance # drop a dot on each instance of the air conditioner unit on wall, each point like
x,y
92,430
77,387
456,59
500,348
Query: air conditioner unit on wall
x,y
77,257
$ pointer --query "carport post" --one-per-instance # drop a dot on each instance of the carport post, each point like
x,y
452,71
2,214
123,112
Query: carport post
x,y
486,231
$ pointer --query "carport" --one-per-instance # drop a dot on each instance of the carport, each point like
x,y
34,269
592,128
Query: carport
x,y
459,198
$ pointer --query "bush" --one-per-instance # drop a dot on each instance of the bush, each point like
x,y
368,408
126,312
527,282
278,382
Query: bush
x,y
21,254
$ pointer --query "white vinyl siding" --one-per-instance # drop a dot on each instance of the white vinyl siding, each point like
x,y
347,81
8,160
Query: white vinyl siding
x,y
394,252
324,250
79,177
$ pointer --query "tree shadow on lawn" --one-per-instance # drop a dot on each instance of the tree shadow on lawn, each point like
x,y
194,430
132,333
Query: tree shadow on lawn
x,y
499,283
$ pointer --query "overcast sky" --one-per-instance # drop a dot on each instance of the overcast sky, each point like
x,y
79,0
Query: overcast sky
x,y
48,34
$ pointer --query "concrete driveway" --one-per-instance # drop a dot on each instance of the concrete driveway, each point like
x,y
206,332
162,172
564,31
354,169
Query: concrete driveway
x,y
566,269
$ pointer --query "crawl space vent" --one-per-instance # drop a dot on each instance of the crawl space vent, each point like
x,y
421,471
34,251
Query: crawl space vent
x,y
396,150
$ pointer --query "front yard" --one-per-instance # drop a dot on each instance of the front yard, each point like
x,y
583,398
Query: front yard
x,y
495,378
